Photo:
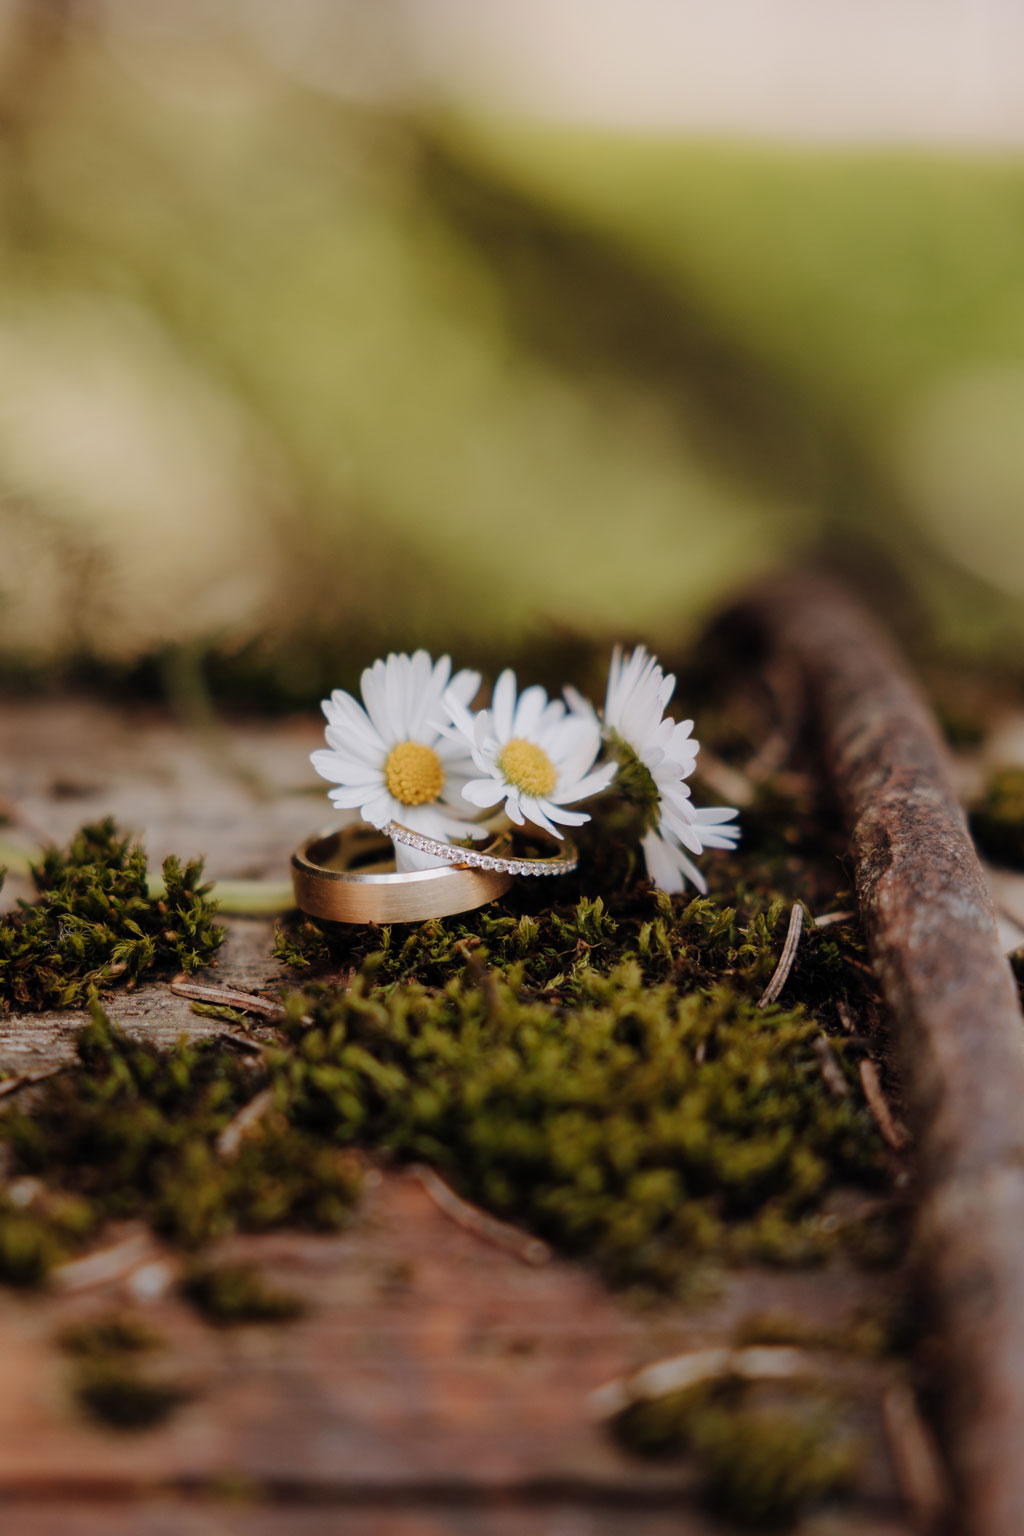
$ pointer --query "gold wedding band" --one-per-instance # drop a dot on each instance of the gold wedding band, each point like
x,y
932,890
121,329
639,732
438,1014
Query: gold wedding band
x,y
327,885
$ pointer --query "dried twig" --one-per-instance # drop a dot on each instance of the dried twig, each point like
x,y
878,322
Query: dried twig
x,y
26,1079
891,1131
831,1071
248,1117
919,1470
242,1043
106,1264
828,919
845,1017
677,1372
498,1233
785,965
231,997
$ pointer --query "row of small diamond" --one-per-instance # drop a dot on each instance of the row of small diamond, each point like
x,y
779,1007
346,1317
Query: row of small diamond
x,y
476,860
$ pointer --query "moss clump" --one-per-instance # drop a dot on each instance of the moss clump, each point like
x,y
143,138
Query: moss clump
x,y
229,1294
36,1236
107,1382
619,1119
302,944
870,1333
997,817
116,1393
133,1132
30,1246
664,1426
594,1067
766,1467
95,924
761,1465
688,943
113,1333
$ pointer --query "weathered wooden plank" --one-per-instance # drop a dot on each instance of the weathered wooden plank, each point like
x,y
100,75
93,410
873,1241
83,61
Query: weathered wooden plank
x,y
429,1363
436,1384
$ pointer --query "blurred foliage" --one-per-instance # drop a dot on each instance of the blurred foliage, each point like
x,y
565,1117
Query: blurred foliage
x,y
997,817
284,381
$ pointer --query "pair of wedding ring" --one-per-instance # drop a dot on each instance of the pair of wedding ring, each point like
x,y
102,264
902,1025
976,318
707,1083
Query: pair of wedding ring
x,y
346,877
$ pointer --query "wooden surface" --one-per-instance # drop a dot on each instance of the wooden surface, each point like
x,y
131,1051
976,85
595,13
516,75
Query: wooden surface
x,y
437,1386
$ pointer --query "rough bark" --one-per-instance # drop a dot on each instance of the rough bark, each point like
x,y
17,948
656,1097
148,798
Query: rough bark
x,y
954,1011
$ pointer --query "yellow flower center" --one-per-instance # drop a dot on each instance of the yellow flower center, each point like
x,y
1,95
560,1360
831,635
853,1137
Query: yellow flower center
x,y
528,767
414,773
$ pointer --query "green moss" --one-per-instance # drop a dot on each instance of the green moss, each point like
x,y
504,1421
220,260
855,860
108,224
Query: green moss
x,y
133,1132
664,1426
34,1237
618,1118
229,1294
302,944
29,1248
997,817
117,1394
593,1066
107,1382
762,1464
766,1467
870,1333
113,1333
96,926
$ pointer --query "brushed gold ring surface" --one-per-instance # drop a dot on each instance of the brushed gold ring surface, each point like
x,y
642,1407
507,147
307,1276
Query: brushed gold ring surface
x,y
327,886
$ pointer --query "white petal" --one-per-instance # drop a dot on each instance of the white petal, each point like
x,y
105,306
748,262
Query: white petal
x,y
680,828
552,716
668,867
559,813
484,792
529,710
512,806
373,685
531,809
329,765
363,758
465,685
345,714
712,815
381,809
593,784
503,704
395,671
429,681
578,705
461,720
350,797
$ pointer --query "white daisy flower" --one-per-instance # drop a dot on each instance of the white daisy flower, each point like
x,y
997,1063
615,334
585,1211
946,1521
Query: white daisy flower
x,y
534,755
390,761
656,757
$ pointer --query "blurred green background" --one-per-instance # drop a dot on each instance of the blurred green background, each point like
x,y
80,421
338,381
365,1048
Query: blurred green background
x,y
293,371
